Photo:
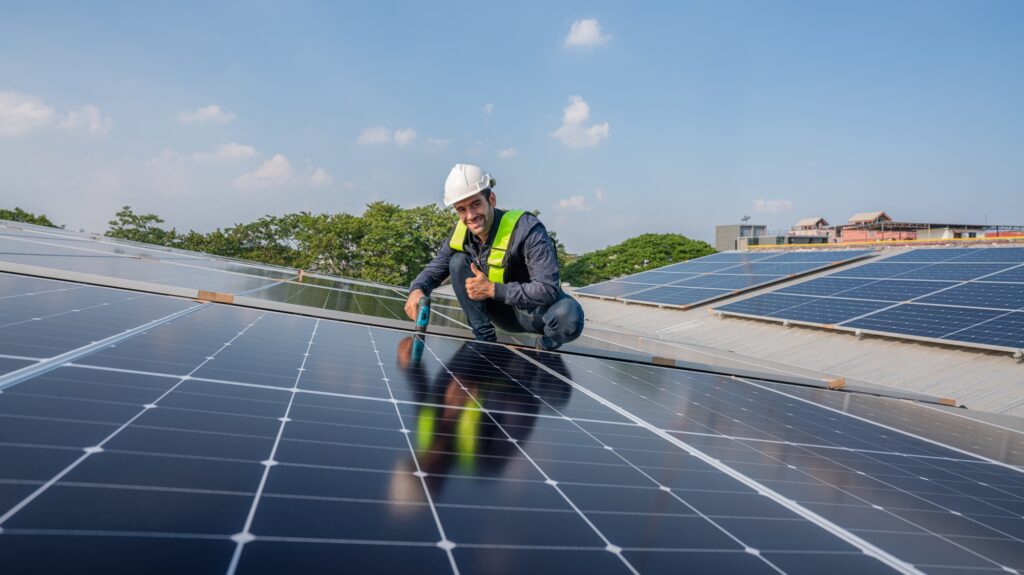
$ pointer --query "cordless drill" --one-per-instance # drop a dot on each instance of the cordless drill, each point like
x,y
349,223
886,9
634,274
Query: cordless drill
x,y
422,319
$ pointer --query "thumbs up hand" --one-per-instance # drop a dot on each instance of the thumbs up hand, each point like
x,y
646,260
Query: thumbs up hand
x,y
479,287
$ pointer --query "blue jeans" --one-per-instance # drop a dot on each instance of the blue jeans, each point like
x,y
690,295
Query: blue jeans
x,y
558,323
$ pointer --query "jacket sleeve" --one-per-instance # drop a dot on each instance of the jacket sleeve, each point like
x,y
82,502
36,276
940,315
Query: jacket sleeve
x,y
541,260
435,272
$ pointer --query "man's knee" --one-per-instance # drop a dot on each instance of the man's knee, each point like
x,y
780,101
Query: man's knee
x,y
564,320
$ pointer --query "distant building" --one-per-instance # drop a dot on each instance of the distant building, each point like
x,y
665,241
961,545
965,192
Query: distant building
x,y
727,236
811,228
861,227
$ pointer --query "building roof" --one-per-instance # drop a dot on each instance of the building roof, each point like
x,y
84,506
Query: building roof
x,y
867,217
812,222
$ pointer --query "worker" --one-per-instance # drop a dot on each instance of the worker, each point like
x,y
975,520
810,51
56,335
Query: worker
x,y
503,267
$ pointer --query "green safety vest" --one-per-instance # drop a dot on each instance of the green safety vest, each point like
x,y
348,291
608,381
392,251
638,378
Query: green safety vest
x,y
499,249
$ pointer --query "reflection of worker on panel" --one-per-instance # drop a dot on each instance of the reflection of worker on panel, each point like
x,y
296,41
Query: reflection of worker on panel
x,y
451,434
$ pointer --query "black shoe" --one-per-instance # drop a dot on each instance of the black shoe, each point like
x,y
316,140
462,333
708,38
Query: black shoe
x,y
545,343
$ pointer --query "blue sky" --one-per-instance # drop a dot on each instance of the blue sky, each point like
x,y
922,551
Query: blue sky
x,y
613,119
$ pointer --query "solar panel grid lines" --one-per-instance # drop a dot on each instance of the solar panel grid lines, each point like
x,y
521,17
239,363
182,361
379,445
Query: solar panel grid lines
x,y
674,494
951,298
131,267
99,447
867,548
701,280
547,479
245,535
337,459
798,395
992,492
116,247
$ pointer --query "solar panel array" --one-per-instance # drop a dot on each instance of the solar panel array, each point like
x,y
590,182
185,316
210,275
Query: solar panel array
x,y
966,296
693,282
112,262
156,434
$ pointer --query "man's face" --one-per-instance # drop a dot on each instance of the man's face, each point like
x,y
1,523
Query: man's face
x,y
477,212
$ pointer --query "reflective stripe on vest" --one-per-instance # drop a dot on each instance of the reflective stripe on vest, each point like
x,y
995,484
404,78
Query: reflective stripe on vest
x,y
499,249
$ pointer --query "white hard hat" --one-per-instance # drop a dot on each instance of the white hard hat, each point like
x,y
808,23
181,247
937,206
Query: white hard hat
x,y
464,181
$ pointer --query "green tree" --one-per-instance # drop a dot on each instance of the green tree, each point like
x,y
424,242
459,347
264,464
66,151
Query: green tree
x,y
634,255
399,242
140,228
20,215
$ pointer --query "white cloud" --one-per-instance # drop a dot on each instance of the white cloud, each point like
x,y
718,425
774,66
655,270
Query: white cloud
x,y
374,135
320,177
274,172
586,33
437,143
87,117
24,113
763,206
600,194
574,132
507,153
205,114
404,137
576,203
488,108
229,151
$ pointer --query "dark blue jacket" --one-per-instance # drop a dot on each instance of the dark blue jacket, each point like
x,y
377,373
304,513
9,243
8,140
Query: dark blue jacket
x,y
531,271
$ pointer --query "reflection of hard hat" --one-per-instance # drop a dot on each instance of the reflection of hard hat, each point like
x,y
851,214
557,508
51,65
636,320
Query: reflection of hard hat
x,y
465,180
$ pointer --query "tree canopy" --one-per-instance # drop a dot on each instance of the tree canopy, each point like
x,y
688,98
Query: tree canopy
x,y
387,243
20,215
644,252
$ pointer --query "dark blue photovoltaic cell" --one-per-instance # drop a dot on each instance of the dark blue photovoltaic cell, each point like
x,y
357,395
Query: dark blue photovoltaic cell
x,y
953,272
895,290
772,268
737,257
1006,330
878,270
831,310
820,256
1012,275
672,295
1006,255
768,304
657,277
724,281
932,255
45,318
699,267
824,286
919,276
923,320
724,271
613,288
981,294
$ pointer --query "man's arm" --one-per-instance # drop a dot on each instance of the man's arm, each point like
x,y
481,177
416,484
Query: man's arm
x,y
432,275
542,262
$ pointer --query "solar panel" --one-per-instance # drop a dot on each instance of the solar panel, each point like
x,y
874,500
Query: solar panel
x,y
716,276
240,440
42,319
175,272
971,296
259,438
